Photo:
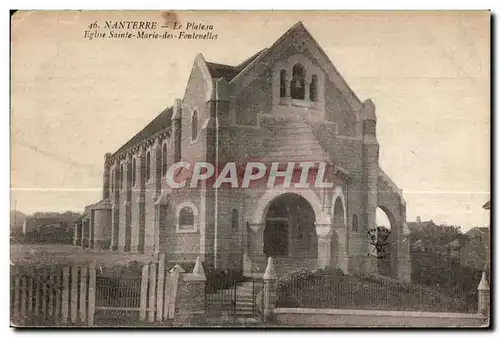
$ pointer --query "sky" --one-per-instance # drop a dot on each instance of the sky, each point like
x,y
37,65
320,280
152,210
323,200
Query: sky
x,y
428,73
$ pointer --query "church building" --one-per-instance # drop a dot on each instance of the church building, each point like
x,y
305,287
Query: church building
x,y
287,103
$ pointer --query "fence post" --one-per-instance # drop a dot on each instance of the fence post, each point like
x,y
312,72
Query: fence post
x,y
50,289
74,293
166,295
23,290
65,294
152,292
92,289
38,284
144,292
30,293
57,304
484,295
83,293
270,283
16,294
191,303
174,282
45,275
161,280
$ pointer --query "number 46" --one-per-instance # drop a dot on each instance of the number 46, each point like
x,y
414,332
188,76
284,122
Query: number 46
x,y
93,25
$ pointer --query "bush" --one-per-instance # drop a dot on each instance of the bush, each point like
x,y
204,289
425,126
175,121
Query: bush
x,y
218,279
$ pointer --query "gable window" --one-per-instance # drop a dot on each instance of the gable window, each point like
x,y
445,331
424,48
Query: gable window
x,y
164,160
313,90
355,226
235,219
297,85
194,126
283,83
148,166
133,172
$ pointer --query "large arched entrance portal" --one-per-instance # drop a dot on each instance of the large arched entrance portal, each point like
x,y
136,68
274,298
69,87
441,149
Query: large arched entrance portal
x,y
290,228
387,264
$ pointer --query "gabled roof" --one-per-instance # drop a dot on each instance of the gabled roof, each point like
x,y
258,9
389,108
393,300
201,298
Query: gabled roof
x,y
163,120
477,231
160,123
218,70
487,205
231,73
299,28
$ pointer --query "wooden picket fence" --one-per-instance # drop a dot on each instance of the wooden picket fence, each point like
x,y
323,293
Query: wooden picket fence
x,y
71,295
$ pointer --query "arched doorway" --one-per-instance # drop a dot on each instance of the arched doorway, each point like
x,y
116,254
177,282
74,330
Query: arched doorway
x,y
290,228
387,266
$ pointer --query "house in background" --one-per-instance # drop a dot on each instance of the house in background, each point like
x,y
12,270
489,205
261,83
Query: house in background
x,y
472,249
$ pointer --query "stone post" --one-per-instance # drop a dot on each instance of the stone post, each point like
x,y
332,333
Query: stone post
x,y
484,296
324,234
190,309
270,285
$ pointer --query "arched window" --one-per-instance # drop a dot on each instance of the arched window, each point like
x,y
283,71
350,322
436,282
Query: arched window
x,y
283,83
164,160
121,176
297,85
186,218
355,226
148,166
194,126
134,168
313,90
235,219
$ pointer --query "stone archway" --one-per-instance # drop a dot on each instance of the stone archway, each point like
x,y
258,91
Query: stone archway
x,y
388,266
290,228
319,220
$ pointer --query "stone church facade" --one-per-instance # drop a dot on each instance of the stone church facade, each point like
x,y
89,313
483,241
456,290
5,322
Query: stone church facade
x,y
287,103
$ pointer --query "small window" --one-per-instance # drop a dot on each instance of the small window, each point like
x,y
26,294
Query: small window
x,y
186,219
283,83
355,227
235,219
194,126
134,168
297,85
164,160
313,95
148,166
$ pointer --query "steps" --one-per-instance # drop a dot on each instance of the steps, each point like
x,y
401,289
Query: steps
x,y
245,310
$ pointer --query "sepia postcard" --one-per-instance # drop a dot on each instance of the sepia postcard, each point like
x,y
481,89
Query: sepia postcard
x,y
250,169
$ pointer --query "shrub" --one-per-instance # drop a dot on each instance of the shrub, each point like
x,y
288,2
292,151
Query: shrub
x,y
218,279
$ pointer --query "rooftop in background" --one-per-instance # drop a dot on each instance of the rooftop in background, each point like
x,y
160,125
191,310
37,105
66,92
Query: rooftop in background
x,y
418,224
487,205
